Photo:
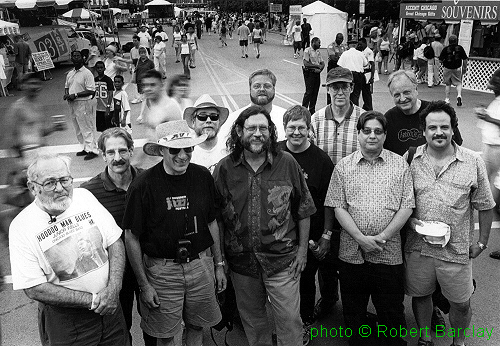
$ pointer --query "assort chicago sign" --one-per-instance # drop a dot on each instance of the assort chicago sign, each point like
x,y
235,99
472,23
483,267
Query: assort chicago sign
x,y
453,10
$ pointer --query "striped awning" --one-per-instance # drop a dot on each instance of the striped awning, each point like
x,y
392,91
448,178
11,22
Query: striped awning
x,y
27,4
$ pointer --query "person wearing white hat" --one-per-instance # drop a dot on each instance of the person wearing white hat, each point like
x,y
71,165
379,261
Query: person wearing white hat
x,y
114,64
170,222
205,117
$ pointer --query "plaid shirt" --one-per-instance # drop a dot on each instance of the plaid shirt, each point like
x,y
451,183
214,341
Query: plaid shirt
x,y
449,197
260,211
336,139
372,194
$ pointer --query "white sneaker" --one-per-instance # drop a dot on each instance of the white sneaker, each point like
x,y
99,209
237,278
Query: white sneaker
x,y
447,100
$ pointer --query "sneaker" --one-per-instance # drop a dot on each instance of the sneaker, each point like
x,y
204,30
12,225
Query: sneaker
x,y
437,319
459,101
139,119
295,56
81,153
134,101
447,100
306,334
422,342
246,55
258,55
90,156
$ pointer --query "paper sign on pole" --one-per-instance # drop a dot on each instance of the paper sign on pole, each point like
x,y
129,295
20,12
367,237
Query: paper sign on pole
x,y
361,6
42,60
465,34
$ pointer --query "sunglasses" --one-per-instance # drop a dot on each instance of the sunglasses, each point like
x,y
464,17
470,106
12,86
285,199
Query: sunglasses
x,y
204,117
175,151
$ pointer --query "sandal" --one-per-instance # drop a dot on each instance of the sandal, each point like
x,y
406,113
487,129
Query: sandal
x,y
495,254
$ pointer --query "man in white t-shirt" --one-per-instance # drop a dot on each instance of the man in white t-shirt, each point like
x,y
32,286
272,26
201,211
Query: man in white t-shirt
x,y
262,90
145,38
205,117
66,253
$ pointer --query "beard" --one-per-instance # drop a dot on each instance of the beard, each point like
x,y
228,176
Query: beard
x,y
50,204
262,101
257,148
211,132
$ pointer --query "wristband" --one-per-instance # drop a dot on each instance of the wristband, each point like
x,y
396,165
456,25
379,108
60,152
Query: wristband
x,y
220,264
93,306
326,236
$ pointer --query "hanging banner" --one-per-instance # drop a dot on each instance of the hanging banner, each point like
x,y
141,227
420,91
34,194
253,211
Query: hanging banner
x,y
296,10
488,10
465,35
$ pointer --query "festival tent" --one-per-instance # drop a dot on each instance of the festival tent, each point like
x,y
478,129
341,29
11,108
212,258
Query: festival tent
x,y
158,3
8,28
29,4
326,21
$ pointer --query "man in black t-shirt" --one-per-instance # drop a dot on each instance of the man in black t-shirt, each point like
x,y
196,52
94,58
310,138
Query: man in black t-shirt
x,y
169,224
317,168
306,31
403,120
452,58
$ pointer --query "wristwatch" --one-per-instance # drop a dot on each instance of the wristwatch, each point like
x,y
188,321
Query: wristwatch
x,y
220,264
481,245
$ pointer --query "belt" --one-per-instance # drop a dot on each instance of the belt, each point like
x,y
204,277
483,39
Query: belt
x,y
174,260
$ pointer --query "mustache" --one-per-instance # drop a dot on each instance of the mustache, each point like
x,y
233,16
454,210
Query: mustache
x,y
118,163
439,137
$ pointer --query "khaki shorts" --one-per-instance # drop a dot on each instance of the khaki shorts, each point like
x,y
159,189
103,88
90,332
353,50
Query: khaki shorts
x,y
452,77
422,273
186,292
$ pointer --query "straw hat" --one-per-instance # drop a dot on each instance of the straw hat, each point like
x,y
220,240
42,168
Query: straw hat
x,y
205,101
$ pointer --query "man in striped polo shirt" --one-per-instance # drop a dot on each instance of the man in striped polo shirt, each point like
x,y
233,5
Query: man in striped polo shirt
x,y
110,189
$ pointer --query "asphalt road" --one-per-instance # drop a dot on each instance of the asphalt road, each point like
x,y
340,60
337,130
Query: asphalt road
x,y
222,73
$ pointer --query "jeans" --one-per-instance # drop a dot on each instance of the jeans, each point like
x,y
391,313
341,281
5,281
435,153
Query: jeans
x,y
283,292
185,63
328,283
385,285
313,82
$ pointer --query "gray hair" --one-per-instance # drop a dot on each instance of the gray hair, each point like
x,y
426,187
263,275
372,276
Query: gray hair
x,y
33,171
402,73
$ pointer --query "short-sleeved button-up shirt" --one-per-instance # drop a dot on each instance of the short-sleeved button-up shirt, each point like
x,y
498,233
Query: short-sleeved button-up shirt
x,y
450,197
336,139
260,211
372,193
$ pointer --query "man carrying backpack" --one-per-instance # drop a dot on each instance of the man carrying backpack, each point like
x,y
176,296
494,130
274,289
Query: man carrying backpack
x,y
452,58
404,53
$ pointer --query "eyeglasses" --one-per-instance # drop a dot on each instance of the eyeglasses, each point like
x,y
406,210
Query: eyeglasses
x,y
121,152
175,151
50,185
292,129
336,88
253,129
205,116
377,132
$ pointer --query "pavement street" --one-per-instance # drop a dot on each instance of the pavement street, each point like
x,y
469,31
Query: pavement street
x,y
222,73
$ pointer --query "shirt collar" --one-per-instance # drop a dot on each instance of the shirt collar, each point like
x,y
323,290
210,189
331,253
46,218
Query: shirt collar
x,y
241,160
459,155
329,112
108,183
358,156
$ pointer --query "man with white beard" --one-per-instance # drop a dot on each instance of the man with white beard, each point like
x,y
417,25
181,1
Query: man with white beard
x,y
262,91
78,304
205,117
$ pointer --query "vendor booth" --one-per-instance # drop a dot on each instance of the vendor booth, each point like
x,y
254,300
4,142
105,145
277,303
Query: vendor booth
x,y
475,22
326,21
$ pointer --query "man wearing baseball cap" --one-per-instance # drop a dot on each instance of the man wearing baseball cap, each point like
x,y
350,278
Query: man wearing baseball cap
x,y
169,224
333,129
206,118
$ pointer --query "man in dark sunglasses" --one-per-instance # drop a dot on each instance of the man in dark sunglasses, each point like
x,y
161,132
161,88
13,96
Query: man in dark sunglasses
x,y
205,117
169,225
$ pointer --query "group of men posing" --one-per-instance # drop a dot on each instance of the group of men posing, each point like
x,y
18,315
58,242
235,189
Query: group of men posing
x,y
279,179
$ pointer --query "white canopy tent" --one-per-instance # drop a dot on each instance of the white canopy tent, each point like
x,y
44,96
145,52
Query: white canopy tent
x,y
158,3
326,21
